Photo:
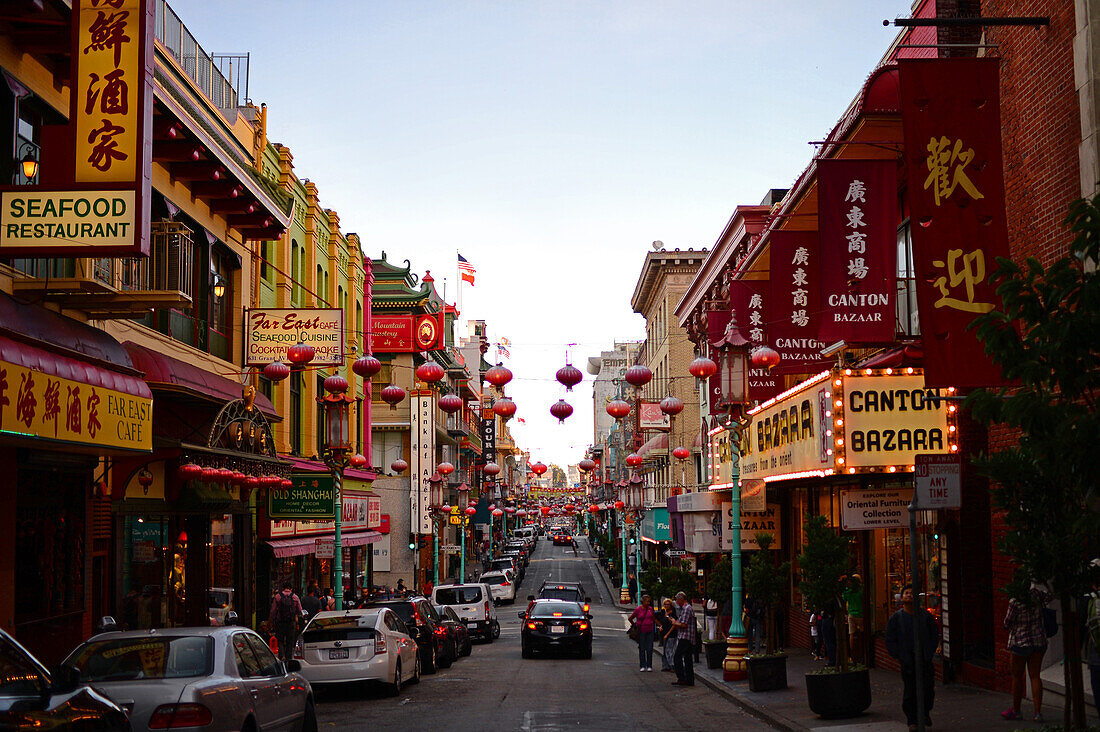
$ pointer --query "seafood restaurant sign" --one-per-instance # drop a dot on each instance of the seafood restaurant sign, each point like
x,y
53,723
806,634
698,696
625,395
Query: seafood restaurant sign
x,y
270,332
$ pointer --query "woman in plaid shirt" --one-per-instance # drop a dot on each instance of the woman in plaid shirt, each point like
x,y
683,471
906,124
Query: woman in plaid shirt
x,y
1027,642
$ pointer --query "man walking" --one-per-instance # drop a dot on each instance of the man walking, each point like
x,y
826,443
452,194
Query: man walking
x,y
685,642
311,603
900,644
286,612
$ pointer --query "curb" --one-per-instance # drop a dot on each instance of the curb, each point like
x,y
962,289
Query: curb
x,y
612,592
756,710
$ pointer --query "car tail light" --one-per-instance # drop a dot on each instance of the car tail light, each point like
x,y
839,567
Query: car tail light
x,y
531,626
486,609
581,626
168,716
299,649
585,606
379,643
505,583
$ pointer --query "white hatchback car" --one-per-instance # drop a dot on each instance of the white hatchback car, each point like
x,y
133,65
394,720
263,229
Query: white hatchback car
x,y
339,646
474,605
501,584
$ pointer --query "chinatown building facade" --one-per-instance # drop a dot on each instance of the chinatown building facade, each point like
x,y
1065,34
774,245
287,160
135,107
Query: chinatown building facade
x,y
837,311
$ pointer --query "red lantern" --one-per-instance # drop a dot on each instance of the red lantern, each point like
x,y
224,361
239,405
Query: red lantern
x,y
286,484
336,384
703,368
392,395
509,510
505,408
764,356
470,510
672,406
276,371
238,478
491,468
638,375
209,475
633,460
357,460
618,408
538,468
300,354
498,375
593,508
561,409
619,505
145,478
367,366
445,508
252,482
444,468
189,471
522,513
681,453
545,510
569,376
399,466
586,464
497,512
430,372
450,403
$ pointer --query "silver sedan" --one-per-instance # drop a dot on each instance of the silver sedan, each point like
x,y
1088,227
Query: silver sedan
x,y
222,678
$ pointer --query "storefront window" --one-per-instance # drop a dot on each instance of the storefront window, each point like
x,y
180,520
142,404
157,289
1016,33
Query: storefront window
x,y
49,545
895,563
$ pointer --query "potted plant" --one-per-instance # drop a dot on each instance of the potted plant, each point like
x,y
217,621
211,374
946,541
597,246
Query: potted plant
x,y
765,582
825,565
719,588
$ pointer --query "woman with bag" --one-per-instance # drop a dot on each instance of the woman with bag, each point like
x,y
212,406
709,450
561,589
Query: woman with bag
x,y
668,638
644,621
1027,642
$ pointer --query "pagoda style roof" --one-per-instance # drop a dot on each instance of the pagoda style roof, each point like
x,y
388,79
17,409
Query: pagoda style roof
x,y
397,287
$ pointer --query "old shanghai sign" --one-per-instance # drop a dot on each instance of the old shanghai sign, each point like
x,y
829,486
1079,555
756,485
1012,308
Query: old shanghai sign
x,y
270,332
310,497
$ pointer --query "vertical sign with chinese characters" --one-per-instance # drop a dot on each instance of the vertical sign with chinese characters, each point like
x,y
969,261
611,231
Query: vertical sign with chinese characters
x,y
795,284
423,462
857,215
951,120
748,299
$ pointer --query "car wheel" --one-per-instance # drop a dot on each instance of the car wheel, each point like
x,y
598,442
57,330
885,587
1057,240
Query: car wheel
x,y
469,646
431,666
447,657
525,652
309,719
495,632
395,688
587,652
416,670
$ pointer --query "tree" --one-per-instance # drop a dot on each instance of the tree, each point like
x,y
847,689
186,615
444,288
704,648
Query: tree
x,y
825,565
1046,338
765,584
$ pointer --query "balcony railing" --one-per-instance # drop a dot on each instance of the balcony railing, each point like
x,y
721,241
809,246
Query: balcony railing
x,y
219,76
170,268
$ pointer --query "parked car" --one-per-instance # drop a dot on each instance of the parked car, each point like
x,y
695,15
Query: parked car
x,y
339,646
474,605
501,585
555,625
456,630
518,569
196,677
571,591
32,697
508,562
423,622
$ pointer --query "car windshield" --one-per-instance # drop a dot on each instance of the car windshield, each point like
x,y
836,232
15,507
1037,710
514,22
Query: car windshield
x,y
557,610
457,595
18,674
494,579
161,657
561,594
340,628
404,610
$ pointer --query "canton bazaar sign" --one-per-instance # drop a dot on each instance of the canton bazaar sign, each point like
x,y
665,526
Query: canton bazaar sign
x,y
787,437
270,332
889,419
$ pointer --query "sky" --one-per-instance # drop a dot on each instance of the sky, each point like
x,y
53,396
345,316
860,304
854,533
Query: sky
x,y
550,142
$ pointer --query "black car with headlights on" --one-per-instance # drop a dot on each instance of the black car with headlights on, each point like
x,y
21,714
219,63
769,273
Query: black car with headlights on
x,y
556,625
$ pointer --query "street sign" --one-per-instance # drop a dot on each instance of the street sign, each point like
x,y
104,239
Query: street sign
x,y
675,553
449,548
937,481
324,548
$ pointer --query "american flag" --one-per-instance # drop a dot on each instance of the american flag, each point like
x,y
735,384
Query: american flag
x,y
466,270
502,347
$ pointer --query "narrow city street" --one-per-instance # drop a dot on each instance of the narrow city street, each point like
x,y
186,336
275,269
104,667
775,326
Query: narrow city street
x,y
495,689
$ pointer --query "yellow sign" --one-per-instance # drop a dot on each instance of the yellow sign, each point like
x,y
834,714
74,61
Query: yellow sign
x,y
67,218
35,404
270,332
889,419
109,81
721,458
787,437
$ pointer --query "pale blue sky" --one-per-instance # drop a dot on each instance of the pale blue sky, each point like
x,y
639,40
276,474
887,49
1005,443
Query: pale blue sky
x,y
549,142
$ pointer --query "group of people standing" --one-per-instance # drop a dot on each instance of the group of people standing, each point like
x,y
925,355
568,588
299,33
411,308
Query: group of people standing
x,y
675,627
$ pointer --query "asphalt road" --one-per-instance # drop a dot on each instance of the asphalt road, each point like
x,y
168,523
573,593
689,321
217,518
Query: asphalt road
x,y
494,689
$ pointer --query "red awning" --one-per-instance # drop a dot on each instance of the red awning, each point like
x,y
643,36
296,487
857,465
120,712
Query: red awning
x,y
163,372
315,466
300,545
54,364
660,442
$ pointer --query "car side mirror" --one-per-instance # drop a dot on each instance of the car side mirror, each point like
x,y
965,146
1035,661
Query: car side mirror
x,y
231,618
530,598
292,666
107,624
588,600
521,615
588,616
64,679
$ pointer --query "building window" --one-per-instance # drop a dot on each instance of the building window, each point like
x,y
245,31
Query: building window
x,y
908,322
295,274
296,414
265,257
385,448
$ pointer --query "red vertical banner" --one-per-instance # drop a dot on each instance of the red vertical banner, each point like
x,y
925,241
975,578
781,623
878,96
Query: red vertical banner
x,y
857,223
952,124
795,298
749,301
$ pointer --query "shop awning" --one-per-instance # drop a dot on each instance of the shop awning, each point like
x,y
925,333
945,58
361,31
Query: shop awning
x,y
165,373
300,465
301,545
64,367
659,442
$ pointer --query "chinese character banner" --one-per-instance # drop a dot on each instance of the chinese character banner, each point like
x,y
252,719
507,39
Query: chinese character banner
x,y
749,302
795,297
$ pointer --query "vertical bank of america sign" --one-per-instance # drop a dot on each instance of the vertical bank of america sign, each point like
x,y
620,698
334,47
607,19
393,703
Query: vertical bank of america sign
x,y
97,167
423,462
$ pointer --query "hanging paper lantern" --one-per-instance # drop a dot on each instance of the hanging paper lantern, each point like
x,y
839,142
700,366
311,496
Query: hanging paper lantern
x,y
593,508
497,513
618,408
399,466
367,366
491,468
286,484
619,505
505,408
445,508
209,474
450,403
238,478
470,510
569,376
392,395
252,482
702,368
444,468
764,356
430,372
509,510
633,459
357,460
336,384
638,375
498,375
276,371
545,510
300,354
587,464
561,409
522,513
538,468
189,471
145,478
681,453
672,406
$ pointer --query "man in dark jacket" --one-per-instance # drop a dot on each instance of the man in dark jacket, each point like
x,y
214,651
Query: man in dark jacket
x,y
286,613
311,603
900,644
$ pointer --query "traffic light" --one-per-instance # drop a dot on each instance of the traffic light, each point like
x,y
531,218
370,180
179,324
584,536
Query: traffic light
x,y
412,542
422,542
632,539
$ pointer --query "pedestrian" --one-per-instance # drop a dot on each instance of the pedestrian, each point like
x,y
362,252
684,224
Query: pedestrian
x,y
1092,636
686,636
710,615
759,614
631,585
827,628
815,634
130,606
1027,643
311,603
645,620
668,635
363,600
401,585
900,644
853,600
286,613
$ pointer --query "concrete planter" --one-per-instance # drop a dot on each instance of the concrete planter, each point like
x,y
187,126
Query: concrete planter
x,y
715,652
767,673
839,695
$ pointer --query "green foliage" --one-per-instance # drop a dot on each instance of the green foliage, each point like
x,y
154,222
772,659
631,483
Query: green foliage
x,y
720,583
665,582
825,564
765,582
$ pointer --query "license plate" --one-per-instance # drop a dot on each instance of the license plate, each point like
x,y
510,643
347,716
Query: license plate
x,y
557,629
337,653
471,625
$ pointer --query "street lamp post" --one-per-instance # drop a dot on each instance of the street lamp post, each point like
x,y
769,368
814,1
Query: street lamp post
x,y
435,483
637,492
624,591
463,500
337,446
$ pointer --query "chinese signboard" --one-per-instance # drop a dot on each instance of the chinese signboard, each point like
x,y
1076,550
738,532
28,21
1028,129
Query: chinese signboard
x,y
423,462
392,334
311,496
748,299
428,333
788,437
795,294
381,551
857,215
270,332
889,419
48,407
880,508
488,441
951,121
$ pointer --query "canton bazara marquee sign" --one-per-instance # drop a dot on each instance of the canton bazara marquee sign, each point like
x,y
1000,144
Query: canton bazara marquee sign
x,y
270,332
96,169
